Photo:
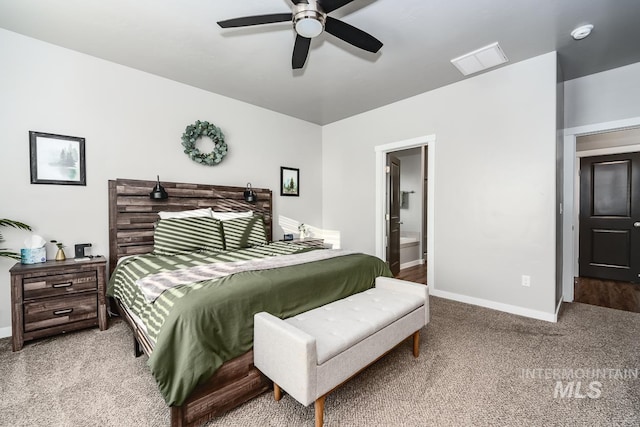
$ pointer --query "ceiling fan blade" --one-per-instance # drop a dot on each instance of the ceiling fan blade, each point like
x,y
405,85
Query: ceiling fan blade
x,y
299,1
352,35
256,20
331,5
300,52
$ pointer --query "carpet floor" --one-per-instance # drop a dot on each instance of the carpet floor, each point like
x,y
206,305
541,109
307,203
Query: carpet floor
x,y
477,367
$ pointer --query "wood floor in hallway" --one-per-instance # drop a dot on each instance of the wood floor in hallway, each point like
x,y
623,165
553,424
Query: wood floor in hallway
x,y
416,274
607,293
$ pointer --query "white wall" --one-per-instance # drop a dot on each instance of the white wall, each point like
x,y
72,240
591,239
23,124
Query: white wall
x,y
603,97
132,122
494,180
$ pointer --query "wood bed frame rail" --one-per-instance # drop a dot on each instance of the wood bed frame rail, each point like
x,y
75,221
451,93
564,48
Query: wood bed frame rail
x,y
132,218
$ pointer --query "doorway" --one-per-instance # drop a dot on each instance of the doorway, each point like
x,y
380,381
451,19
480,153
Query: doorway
x,y
609,222
381,198
393,213
608,216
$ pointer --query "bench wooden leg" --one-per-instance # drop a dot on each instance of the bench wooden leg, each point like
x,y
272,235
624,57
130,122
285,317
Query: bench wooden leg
x,y
416,344
277,392
319,407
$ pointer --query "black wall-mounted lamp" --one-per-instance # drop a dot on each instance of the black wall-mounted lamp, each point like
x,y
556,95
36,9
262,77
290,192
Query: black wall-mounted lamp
x,y
158,192
250,195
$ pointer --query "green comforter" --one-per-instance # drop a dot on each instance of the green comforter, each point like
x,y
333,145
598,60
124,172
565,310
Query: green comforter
x,y
201,326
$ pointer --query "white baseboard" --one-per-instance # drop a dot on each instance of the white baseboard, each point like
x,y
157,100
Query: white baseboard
x,y
411,263
507,308
5,332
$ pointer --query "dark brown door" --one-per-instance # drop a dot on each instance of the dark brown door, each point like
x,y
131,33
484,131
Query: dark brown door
x,y
610,217
393,214
425,198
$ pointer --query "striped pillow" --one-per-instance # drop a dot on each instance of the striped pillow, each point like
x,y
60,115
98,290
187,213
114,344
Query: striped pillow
x,y
176,235
226,216
244,232
186,214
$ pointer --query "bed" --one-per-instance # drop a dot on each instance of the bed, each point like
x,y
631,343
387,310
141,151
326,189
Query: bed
x,y
198,332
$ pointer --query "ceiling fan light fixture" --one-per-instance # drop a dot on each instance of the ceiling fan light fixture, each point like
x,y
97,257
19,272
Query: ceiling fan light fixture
x,y
309,23
309,19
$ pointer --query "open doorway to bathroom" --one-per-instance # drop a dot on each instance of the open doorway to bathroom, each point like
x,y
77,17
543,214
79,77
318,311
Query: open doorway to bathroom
x,y
413,196
423,197
413,214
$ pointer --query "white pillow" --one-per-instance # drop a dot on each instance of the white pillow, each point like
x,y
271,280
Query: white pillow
x,y
224,216
187,214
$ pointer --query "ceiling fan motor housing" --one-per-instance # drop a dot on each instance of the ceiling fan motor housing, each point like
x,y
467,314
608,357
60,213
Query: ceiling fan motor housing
x,y
308,19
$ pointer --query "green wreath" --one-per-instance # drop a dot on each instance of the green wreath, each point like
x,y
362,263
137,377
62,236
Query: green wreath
x,y
196,131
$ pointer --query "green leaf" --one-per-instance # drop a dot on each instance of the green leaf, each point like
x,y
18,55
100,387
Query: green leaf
x,y
16,224
6,254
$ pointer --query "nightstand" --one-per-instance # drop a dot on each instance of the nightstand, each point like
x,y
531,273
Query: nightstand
x,y
56,297
313,242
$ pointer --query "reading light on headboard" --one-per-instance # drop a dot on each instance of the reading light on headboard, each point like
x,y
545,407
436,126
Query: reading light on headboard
x,y
250,195
158,192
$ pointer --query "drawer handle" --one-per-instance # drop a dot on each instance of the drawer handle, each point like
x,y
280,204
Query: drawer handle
x,y
61,285
60,312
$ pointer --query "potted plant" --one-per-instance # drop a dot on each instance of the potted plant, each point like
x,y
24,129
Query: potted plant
x,y
6,253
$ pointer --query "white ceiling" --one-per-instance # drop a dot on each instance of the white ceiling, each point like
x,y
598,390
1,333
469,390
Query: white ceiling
x,y
180,40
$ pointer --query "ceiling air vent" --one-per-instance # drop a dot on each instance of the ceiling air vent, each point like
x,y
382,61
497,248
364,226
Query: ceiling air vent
x,y
480,59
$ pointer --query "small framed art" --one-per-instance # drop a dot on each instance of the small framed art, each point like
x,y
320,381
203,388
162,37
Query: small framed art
x,y
57,159
289,181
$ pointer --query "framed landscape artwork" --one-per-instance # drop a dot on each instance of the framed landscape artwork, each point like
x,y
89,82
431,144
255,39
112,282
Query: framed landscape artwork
x,y
57,159
289,181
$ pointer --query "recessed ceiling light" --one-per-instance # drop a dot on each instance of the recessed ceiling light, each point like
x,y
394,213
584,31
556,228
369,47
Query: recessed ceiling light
x,y
582,32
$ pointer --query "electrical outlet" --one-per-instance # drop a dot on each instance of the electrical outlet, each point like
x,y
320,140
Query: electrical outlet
x,y
526,280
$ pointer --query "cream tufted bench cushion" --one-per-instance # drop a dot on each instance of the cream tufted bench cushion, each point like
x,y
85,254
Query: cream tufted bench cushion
x,y
314,352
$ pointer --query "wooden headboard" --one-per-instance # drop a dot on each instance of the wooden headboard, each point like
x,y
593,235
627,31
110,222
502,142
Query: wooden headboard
x,y
132,214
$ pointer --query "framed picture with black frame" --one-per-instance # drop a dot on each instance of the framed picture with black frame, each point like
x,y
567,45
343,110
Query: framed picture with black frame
x,y
289,181
57,159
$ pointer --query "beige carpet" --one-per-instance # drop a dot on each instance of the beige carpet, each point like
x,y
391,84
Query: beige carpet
x,y
477,367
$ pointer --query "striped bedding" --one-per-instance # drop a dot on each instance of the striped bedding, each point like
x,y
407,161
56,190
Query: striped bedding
x,y
122,283
195,328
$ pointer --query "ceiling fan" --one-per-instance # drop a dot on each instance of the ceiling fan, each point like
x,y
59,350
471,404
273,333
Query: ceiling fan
x,y
310,19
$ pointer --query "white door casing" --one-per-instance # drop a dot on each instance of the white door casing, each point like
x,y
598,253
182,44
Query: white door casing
x,y
380,198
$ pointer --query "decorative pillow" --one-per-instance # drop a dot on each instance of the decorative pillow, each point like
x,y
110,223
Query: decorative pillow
x,y
187,214
225,216
187,234
244,232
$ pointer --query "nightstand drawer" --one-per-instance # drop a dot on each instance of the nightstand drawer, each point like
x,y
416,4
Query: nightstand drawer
x,y
60,284
58,311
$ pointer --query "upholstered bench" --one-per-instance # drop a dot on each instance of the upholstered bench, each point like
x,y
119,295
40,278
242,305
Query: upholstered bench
x,y
311,354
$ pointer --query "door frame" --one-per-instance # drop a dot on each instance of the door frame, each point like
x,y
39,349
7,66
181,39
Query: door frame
x,y
571,191
381,197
